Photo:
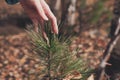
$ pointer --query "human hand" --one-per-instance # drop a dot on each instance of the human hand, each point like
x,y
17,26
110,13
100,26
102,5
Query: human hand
x,y
39,11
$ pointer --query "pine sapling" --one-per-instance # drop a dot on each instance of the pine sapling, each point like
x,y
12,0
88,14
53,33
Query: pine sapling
x,y
57,59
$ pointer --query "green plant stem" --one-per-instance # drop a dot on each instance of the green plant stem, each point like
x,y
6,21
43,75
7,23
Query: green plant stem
x,y
49,64
49,57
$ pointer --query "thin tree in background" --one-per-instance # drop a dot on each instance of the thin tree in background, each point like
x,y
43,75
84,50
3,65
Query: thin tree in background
x,y
114,70
109,66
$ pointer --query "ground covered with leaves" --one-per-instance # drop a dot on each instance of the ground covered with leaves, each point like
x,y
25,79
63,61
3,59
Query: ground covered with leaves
x,y
15,64
16,50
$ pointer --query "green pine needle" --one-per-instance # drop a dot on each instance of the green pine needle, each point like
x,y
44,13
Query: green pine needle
x,y
58,59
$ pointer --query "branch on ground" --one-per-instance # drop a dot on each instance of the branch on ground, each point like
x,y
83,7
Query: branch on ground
x,y
107,53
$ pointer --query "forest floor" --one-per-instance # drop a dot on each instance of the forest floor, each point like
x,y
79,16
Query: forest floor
x,y
15,51
15,47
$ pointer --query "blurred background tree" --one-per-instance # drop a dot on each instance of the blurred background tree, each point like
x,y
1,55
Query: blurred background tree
x,y
79,15
76,15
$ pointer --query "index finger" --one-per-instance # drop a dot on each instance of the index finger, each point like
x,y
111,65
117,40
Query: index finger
x,y
50,15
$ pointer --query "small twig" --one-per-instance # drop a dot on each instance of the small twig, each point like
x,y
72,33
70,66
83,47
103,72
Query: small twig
x,y
107,53
49,57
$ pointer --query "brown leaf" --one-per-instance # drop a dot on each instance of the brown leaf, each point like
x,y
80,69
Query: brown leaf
x,y
91,77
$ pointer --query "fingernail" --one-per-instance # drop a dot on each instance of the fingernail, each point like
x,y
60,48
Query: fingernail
x,y
56,30
46,18
36,29
55,27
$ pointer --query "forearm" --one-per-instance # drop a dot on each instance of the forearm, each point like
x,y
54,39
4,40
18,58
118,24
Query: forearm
x,y
12,1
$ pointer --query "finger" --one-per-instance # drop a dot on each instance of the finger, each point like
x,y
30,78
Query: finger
x,y
35,22
40,10
50,15
43,31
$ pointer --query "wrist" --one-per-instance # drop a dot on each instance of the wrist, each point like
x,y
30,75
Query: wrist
x,y
12,1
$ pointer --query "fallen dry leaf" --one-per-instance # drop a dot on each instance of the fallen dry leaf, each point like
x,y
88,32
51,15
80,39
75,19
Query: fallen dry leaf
x,y
91,77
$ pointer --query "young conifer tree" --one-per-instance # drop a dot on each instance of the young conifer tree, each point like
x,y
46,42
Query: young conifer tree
x,y
57,59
